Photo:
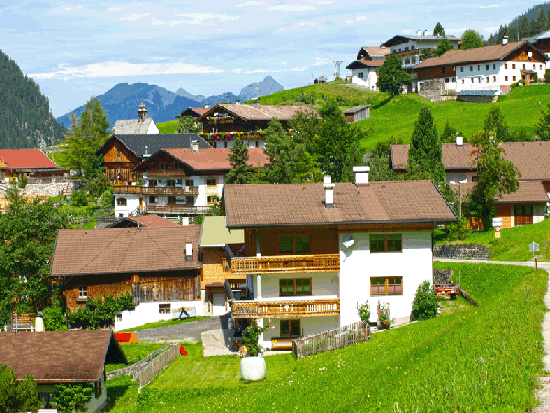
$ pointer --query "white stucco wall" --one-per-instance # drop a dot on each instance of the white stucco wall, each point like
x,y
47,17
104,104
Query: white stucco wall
x,y
324,284
153,129
357,265
149,313
132,203
308,325
369,79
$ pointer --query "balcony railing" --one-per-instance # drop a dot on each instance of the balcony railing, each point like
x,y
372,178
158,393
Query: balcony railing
x,y
165,173
285,264
286,309
155,190
178,209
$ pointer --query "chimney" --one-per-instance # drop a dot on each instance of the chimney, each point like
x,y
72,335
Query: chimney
x,y
361,175
188,252
146,155
329,191
195,146
459,141
207,106
504,40
256,104
39,322
238,102
419,32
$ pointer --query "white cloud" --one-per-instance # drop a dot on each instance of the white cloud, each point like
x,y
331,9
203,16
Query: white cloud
x,y
319,61
136,16
115,8
325,2
292,7
195,19
250,3
361,18
115,69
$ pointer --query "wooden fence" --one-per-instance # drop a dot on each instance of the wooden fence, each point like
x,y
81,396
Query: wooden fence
x,y
331,339
156,365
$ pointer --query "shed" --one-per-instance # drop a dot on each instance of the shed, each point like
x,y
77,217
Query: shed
x,y
321,79
357,113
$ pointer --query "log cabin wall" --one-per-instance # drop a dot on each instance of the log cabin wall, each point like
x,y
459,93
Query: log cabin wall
x,y
146,287
504,211
119,161
213,269
436,72
322,240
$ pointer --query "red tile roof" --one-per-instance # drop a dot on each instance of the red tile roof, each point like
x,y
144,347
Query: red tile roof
x,y
303,204
26,158
124,250
531,158
215,159
58,356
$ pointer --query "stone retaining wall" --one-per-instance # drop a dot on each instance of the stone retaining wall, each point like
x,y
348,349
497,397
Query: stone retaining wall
x,y
442,277
461,252
50,189
432,90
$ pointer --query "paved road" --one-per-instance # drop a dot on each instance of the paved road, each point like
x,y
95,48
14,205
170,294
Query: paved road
x,y
183,332
542,394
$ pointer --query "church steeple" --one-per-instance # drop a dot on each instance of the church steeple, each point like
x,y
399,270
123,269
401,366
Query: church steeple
x,y
142,112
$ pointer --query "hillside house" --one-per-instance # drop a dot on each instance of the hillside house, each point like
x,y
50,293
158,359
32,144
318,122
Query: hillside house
x,y
542,42
62,357
215,270
531,158
364,71
320,80
122,153
159,266
30,163
180,182
143,125
195,113
224,122
314,251
484,68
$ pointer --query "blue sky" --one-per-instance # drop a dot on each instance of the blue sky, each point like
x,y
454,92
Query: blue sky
x,y
75,50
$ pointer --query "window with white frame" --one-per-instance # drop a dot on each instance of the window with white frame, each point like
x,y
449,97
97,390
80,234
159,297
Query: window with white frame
x,y
83,292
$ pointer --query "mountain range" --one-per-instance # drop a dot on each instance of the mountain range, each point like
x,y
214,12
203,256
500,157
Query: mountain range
x,y
122,101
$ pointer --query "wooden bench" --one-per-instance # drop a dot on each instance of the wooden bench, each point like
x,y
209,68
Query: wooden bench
x,y
281,343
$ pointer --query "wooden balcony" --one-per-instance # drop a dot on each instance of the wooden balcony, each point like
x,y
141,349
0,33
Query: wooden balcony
x,y
177,209
284,264
173,172
286,309
155,190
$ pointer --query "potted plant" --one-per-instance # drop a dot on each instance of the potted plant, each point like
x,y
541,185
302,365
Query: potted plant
x,y
253,366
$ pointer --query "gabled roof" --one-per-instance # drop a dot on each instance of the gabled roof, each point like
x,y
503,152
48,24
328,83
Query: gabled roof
x,y
194,112
124,250
480,54
149,221
59,356
209,159
27,158
532,192
263,112
531,158
377,51
214,233
303,204
132,126
402,38
360,64
544,35
154,143
356,109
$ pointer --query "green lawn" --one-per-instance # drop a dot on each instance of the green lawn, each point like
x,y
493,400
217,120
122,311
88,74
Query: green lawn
x,y
513,244
134,353
168,127
469,359
164,323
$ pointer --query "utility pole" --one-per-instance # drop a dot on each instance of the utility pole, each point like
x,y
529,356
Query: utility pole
x,y
337,64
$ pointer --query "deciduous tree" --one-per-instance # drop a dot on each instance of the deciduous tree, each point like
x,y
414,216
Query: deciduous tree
x,y
379,162
17,396
391,76
241,171
187,124
471,40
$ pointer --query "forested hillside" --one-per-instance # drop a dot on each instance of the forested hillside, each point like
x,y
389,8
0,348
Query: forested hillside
x,y
531,23
25,119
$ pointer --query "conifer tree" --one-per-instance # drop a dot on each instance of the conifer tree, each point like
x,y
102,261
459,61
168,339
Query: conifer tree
x,y
524,27
438,30
241,171
443,46
541,21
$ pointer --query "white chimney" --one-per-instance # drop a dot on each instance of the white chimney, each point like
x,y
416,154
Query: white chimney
x,y
504,40
459,141
189,252
256,104
419,32
207,106
146,155
329,191
361,175
425,33
195,146
238,102
39,322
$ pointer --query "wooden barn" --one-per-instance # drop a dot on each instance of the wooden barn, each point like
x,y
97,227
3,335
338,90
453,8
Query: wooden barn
x,y
357,113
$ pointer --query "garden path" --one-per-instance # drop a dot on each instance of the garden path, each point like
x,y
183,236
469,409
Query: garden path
x,y
190,332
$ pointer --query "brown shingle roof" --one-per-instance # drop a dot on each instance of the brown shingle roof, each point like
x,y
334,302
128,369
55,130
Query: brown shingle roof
x,y
263,112
58,356
124,250
527,192
377,51
480,54
531,158
214,159
149,220
303,204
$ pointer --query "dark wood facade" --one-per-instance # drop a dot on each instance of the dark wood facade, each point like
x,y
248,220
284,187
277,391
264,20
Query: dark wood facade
x,y
120,162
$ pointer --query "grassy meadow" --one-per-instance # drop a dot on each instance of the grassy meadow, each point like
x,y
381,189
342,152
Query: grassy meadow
x,y
469,359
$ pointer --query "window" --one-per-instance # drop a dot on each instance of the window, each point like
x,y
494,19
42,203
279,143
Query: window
x,y
171,200
494,66
385,243
524,66
97,389
119,318
257,144
486,67
360,75
164,308
121,201
298,243
446,80
540,67
462,80
211,182
171,183
478,67
474,178
225,144
152,199
442,69
461,69
294,286
506,65
121,215
153,182
523,210
163,165
487,79
189,200
386,286
83,292
47,401
413,60
211,199
471,68
188,182
290,328
472,80
513,78
406,49
494,78
506,78
513,66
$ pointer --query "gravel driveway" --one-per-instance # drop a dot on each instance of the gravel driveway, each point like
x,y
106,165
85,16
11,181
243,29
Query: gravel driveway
x,y
183,332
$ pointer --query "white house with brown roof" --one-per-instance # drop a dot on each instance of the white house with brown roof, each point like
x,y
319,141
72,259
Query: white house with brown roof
x,y
313,252
180,182
364,71
484,68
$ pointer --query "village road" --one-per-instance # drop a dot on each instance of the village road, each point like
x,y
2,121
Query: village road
x,y
183,332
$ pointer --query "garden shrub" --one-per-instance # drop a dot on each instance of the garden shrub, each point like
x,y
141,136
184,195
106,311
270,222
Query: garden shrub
x,y
54,320
101,310
547,76
107,199
364,312
384,320
80,198
73,397
251,339
459,231
425,303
